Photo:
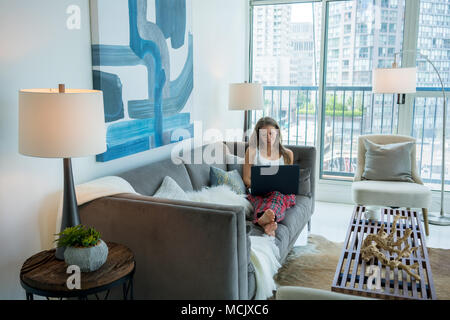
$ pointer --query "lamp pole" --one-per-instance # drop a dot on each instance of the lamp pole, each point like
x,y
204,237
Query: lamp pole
x,y
433,218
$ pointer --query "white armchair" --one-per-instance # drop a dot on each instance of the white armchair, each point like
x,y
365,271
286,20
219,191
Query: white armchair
x,y
390,193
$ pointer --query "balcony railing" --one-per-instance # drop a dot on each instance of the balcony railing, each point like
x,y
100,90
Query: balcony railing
x,y
427,129
351,111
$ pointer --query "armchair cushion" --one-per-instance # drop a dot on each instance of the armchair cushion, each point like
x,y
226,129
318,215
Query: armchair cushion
x,y
391,194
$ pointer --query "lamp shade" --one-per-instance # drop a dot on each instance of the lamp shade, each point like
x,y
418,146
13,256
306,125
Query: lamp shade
x,y
395,80
246,96
61,125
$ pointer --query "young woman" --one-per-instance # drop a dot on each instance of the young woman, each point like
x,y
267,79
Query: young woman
x,y
266,149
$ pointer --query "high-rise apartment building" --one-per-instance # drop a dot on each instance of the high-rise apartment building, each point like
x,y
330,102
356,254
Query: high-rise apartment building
x,y
270,44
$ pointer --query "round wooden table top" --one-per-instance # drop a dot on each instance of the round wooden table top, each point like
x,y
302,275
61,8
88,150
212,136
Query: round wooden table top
x,y
43,272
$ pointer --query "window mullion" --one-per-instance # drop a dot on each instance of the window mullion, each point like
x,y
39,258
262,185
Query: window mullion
x,y
322,92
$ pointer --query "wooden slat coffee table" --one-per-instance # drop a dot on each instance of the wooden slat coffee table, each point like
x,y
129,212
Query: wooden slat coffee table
x,y
351,278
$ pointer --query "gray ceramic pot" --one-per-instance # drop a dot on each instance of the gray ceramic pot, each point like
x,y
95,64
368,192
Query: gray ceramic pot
x,y
88,259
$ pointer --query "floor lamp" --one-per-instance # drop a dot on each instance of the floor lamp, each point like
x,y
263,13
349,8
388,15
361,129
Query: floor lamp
x,y
246,97
60,123
400,81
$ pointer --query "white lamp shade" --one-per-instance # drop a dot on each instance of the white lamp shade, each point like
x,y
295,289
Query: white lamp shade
x,y
61,125
246,96
395,80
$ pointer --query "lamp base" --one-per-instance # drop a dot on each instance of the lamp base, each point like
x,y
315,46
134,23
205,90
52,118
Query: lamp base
x,y
436,218
70,216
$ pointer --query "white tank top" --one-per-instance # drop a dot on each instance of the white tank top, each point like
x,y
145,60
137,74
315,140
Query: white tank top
x,y
261,161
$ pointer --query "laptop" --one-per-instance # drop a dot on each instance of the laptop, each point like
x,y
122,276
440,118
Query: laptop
x,y
283,179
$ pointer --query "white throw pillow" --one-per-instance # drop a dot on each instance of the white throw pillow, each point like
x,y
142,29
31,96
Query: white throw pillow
x,y
169,189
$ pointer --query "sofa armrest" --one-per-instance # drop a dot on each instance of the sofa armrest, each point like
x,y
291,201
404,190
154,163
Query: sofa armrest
x,y
183,250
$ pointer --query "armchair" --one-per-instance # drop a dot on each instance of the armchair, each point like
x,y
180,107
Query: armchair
x,y
390,193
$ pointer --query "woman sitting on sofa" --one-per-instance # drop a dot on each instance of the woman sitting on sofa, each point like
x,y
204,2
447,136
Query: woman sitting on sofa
x,y
266,149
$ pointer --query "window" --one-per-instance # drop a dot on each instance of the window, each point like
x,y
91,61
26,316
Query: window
x,y
347,28
360,35
364,53
428,106
392,27
347,41
295,64
361,28
349,113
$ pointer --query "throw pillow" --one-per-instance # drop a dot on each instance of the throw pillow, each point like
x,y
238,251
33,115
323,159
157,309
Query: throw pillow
x,y
390,162
231,178
169,189
235,163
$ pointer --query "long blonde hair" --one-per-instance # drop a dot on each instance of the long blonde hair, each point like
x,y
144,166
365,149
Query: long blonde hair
x,y
268,121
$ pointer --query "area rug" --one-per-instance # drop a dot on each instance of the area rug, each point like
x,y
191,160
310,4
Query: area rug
x,y
314,265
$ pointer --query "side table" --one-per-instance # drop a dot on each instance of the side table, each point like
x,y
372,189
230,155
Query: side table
x,y
44,275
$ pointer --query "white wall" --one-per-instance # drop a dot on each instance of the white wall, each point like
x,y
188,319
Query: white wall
x,y
36,50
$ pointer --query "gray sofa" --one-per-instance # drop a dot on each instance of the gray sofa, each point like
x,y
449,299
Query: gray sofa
x,y
189,250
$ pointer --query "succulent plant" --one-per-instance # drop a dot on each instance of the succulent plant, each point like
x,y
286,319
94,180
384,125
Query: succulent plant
x,y
79,237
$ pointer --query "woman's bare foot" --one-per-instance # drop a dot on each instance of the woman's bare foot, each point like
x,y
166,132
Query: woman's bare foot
x,y
266,218
270,228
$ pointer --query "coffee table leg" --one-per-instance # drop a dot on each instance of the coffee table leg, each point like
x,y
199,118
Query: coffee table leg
x,y
30,296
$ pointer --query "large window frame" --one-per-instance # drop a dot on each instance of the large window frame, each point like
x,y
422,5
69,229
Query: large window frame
x,y
405,114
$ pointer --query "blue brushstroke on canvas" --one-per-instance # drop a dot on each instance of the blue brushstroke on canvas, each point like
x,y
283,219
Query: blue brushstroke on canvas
x,y
158,116
125,137
171,19
130,147
120,132
112,94
181,89
146,49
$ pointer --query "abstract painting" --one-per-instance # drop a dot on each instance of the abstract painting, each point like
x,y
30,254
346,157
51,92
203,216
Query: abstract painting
x,y
142,57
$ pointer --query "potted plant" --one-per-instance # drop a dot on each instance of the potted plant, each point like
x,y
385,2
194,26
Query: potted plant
x,y
84,248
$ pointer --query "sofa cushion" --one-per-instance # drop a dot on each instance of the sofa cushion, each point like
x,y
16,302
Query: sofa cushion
x,y
304,183
147,179
297,217
282,237
199,162
230,178
235,163
169,189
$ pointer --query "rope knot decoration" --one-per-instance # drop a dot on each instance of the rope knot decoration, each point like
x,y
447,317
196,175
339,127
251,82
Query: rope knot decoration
x,y
374,244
